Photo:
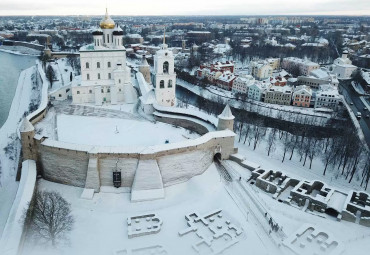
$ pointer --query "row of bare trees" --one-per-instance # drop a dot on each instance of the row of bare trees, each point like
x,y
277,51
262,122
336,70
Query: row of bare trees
x,y
343,153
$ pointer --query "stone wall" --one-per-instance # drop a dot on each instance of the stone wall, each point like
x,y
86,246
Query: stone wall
x,y
126,165
92,166
181,167
63,165
187,124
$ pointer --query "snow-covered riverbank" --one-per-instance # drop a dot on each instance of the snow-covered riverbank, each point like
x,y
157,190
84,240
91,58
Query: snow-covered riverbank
x,y
27,92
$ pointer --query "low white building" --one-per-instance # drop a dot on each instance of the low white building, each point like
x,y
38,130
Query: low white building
x,y
105,78
327,97
343,67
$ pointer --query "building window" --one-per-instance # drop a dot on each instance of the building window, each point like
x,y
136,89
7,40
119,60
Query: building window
x,y
108,64
98,76
78,92
88,76
102,90
87,65
170,83
161,84
98,64
90,91
119,81
109,76
165,67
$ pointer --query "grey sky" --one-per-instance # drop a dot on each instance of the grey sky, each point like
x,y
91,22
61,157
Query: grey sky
x,y
186,7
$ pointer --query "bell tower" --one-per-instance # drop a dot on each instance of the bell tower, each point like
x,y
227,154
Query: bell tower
x,y
165,76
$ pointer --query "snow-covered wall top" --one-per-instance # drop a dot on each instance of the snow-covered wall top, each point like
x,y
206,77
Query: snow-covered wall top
x,y
11,239
191,112
143,85
44,93
138,149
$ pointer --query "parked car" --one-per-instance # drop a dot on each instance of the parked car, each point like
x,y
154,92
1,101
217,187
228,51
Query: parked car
x,y
358,115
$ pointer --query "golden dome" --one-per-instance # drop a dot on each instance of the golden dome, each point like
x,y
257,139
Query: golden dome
x,y
107,22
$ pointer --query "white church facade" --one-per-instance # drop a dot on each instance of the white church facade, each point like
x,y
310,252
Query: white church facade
x,y
105,78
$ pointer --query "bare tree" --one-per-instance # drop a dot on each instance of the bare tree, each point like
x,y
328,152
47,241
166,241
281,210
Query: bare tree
x,y
51,217
287,143
50,75
271,141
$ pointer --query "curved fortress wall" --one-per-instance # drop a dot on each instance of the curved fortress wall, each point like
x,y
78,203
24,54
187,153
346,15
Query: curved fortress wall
x,y
92,167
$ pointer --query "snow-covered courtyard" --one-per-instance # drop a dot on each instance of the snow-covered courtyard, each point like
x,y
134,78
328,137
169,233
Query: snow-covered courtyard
x,y
117,132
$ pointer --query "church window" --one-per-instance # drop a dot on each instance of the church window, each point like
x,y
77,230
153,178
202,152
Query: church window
x,y
102,90
108,64
88,76
120,90
161,84
78,92
108,90
170,83
90,91
165,67
119,81
98,76
98,64
109,76
87,65
107,38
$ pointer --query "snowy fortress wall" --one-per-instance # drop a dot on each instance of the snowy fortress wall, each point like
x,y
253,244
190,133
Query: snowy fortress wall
x,y
11,241
92,167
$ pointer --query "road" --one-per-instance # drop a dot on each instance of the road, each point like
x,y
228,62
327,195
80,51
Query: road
x,y
357,106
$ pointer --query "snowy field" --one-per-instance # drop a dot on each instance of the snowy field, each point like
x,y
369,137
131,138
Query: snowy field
x,y
117,132
101,228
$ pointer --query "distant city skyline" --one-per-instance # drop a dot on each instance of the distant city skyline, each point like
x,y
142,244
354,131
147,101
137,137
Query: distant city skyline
x,y
189,7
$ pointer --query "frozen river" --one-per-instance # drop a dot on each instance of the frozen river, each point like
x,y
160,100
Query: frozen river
x,y
10,67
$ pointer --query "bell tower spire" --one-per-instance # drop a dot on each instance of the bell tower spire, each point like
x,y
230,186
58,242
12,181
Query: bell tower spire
x,y
164,36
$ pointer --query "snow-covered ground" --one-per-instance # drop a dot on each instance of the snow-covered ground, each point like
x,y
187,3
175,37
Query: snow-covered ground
x,y
355,238
62,74
294,168
101,228
117,132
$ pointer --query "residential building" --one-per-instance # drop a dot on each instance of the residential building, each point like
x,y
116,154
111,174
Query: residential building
x,y
241,84
279,95
303,67
274,63
278,81
225,81
302,96
318,77
261,69
256,90
216,67
327,97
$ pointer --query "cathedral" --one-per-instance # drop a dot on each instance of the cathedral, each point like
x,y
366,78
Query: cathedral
x,y
105,78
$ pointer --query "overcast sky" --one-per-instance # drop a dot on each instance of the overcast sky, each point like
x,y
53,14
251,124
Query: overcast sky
x,y
185,7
